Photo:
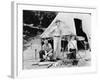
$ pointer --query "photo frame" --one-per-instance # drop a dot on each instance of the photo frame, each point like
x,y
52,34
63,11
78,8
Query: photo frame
x,y
17,69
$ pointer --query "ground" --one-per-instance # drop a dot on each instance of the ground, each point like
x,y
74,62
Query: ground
x,y
31,60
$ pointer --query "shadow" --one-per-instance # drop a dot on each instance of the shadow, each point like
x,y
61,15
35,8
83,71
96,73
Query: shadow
x,y
13,67
9,76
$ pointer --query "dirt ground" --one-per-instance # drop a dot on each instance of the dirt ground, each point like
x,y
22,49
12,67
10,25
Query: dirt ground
x,y
31,60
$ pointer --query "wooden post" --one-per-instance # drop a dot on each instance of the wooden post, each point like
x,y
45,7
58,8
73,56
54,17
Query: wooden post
x,y
35,54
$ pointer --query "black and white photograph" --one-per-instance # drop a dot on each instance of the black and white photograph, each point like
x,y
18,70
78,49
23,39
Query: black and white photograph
x,y
56,39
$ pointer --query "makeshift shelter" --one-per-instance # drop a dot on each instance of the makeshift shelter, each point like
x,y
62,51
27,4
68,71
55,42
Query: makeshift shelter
x,y
67,26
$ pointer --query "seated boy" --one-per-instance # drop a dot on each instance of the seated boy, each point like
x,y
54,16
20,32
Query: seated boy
x,y
46,52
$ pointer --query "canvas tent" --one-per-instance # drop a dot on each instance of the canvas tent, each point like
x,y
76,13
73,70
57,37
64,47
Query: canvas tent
x,y
67,25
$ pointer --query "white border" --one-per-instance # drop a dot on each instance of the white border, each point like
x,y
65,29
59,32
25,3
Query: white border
x,y
17,41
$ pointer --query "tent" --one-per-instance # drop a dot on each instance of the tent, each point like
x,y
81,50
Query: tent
x,y
67,25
